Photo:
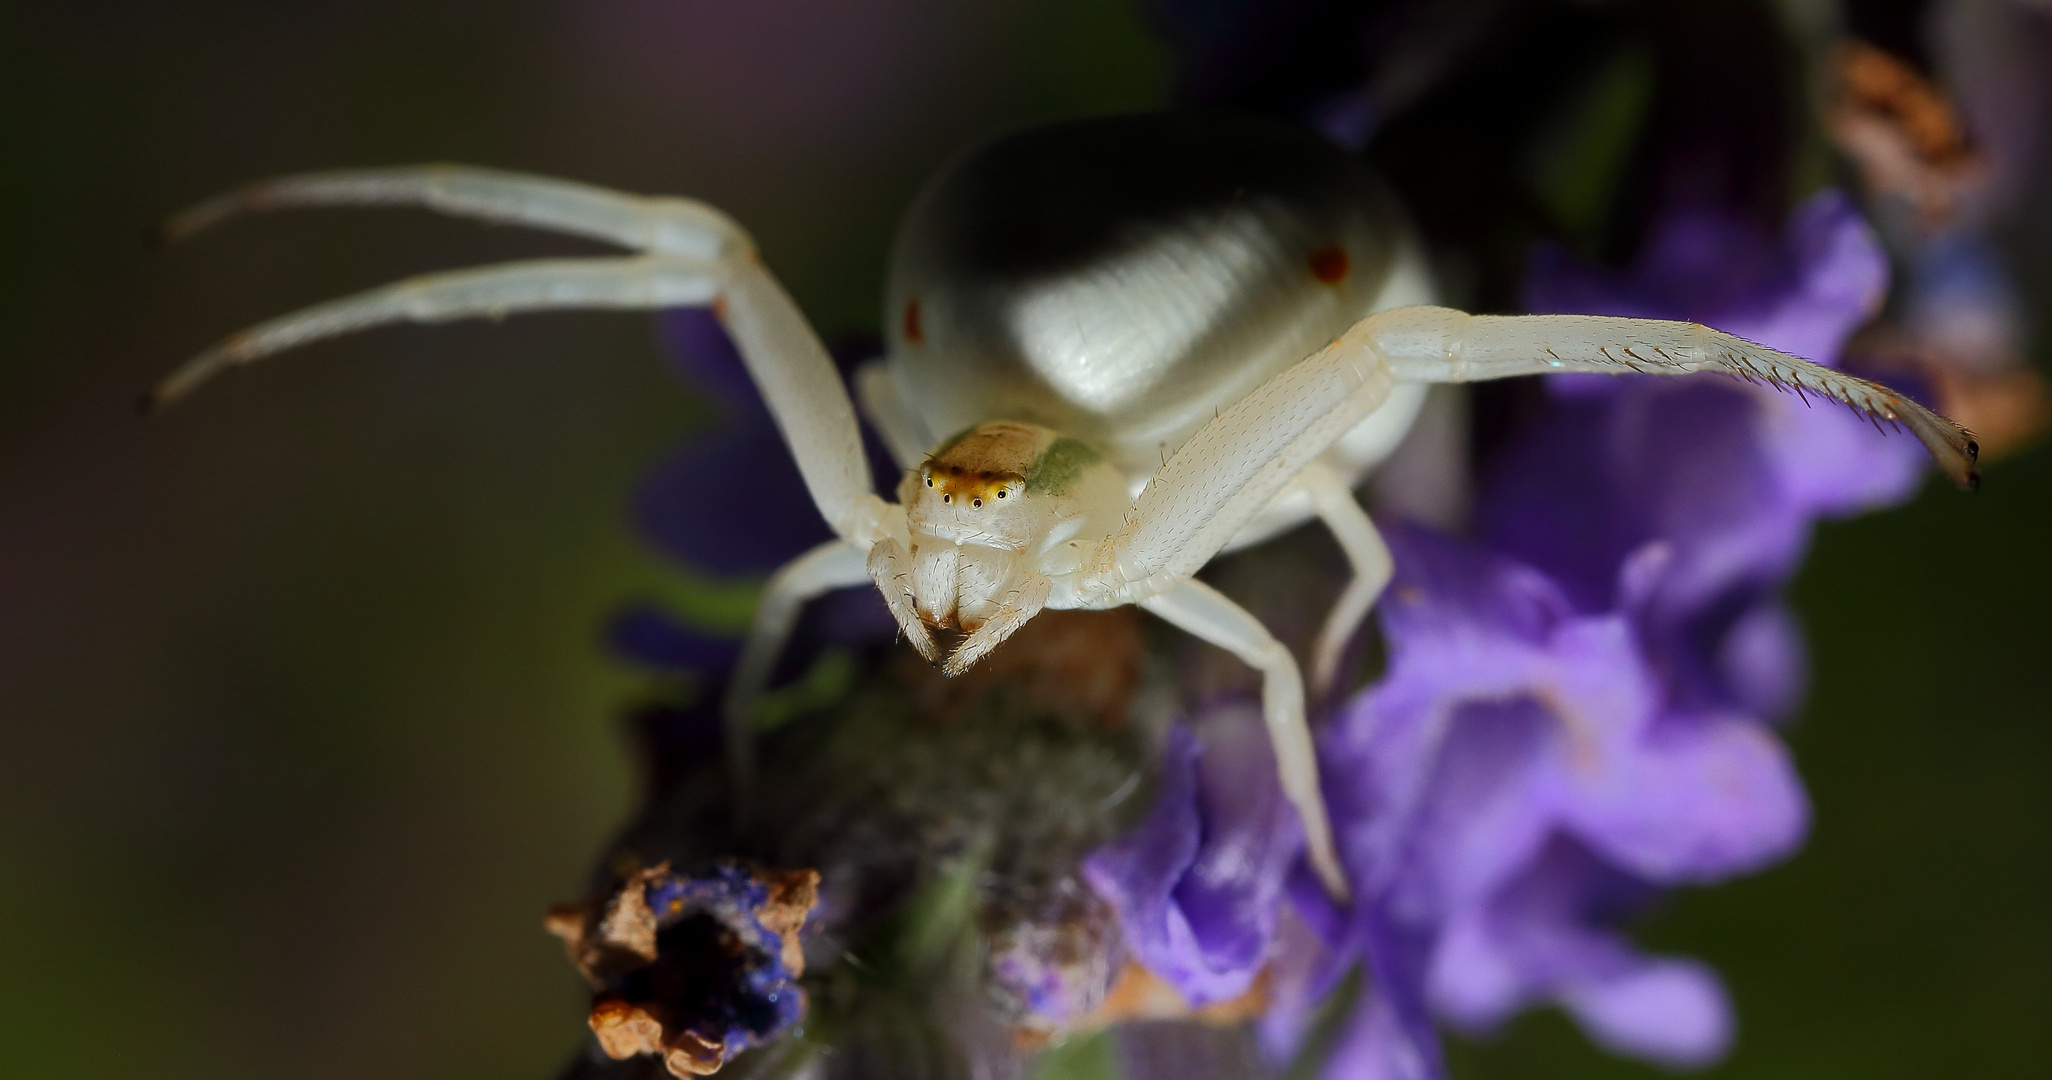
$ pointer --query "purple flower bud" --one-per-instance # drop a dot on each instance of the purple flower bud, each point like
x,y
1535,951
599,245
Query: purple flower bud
x,y
1198,885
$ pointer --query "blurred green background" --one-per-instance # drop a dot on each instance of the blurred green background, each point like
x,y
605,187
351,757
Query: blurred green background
x,y
306,718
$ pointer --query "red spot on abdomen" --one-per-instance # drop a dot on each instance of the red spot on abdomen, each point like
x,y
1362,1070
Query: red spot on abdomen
x,y
914,331
1329,264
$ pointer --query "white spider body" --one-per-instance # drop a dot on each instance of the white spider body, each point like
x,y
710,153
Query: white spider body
x,y
1118,347
1013,295
1122,281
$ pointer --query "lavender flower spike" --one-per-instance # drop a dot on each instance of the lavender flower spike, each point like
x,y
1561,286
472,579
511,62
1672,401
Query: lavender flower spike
x,y
1509,725
1544,938
1804,292
1729,478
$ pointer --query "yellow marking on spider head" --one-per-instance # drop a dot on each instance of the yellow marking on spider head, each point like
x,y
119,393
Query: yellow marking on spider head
x,y
1005,456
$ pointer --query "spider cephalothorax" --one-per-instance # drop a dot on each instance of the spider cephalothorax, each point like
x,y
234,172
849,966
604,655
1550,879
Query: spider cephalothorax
x,y
988,512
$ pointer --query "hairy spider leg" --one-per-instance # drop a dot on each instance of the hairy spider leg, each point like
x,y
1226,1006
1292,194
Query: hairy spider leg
x,y
491,291
642,223
1244,457
1435,344
713,261
808,402
1216,483
699,256
789,365
1234,465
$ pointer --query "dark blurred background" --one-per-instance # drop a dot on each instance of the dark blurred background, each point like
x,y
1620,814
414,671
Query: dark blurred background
x,y
306,712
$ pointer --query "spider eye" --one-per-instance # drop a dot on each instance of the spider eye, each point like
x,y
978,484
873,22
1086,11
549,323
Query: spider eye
x,y
1001,493
947,498
976,503
929,481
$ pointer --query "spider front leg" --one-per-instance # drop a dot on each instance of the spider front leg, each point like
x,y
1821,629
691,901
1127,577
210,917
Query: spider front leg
x,y
694,255
1217,482
662,224
638,283
1435,344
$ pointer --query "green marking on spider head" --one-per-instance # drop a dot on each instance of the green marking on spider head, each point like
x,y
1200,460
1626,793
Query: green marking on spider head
x,y
1058,467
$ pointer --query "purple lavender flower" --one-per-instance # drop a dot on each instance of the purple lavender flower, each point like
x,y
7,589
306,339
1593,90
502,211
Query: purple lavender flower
x,y
1803,292
1519,780
1198,884
1731,477
1199,887
1569,723
1391,1036
1547,936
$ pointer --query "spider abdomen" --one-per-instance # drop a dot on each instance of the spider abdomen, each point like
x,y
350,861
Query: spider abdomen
x,y
1121,279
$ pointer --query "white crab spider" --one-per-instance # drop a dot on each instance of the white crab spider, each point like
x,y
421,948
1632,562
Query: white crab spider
x,y
1143,339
